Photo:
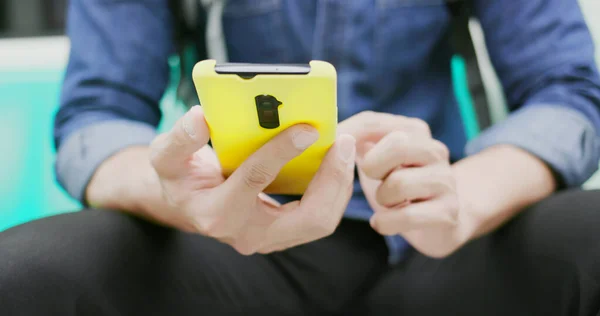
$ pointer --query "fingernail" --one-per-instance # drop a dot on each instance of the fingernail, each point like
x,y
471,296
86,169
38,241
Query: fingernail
x,y
269,200
187,124
347,148
303,139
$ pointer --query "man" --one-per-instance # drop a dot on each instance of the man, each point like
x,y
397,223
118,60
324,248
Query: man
x,y
420,232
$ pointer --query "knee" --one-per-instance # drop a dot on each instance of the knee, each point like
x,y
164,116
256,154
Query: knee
x,y
46,266
32,281
564,227
569,217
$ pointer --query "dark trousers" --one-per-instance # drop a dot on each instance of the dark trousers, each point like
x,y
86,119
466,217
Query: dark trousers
x,y
544,262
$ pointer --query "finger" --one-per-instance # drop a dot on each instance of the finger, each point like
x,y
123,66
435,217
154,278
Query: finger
x,y
410,184
369,187
170,151
271,202
399,149
372,126
261,168
324,202
328,190
429,214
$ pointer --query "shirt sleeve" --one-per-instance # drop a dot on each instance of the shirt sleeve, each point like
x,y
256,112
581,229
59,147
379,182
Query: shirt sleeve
x,y
544,56
116,74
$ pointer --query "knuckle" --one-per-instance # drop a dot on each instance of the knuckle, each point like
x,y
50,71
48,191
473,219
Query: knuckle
x,y
445,172
435,188
369,167
381,195
321,225
338,173
370,120
391,187
325,221
367,116
453,206
441,253
258,176
399,137
395,182
329,231
206,226
420,126
156,152
382,228
154,146
244,249
441,183
398,144
441,150
446,180
326,228
178,136
155,160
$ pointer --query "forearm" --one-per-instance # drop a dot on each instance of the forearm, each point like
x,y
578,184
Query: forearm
x,y
127,182
110,97
496,184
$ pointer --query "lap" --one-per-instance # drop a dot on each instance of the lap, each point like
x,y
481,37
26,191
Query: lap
x,y
103,262
546,261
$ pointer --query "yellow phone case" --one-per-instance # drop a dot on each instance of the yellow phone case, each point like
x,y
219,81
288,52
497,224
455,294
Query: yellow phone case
x,y
231,112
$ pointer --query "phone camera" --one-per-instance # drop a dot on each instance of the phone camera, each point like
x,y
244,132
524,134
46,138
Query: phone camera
x,y
267,110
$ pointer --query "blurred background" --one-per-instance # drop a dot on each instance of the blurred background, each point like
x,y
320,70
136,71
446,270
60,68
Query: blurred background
x,y
33,55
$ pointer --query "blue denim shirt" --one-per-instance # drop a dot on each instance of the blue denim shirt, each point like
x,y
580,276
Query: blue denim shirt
x,y
391,56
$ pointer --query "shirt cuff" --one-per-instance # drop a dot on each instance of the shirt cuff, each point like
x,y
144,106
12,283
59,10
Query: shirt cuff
x,y
84,150
562,137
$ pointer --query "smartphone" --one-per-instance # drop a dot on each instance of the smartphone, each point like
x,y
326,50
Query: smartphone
x,y
245,105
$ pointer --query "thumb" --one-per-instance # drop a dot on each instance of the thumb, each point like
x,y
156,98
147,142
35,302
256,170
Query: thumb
x,y
170,151
362,149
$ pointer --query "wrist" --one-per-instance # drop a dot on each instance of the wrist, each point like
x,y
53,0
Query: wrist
x,y
496,184
123,181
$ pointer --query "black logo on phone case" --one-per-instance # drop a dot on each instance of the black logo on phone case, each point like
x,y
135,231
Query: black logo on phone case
x,y
267,108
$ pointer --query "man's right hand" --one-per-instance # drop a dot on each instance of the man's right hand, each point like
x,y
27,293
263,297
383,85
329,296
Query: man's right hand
x,y
195,197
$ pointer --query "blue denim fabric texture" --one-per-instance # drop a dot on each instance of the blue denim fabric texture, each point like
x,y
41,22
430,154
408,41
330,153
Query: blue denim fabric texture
x,y
391,56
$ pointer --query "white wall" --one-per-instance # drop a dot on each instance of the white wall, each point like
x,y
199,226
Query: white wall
x,y
591,10
33,53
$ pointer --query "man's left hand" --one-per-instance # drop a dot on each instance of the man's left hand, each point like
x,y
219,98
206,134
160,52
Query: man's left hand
x,y
407,179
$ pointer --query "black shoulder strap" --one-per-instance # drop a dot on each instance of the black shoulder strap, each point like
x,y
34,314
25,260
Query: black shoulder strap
x,y
462,44
190,44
